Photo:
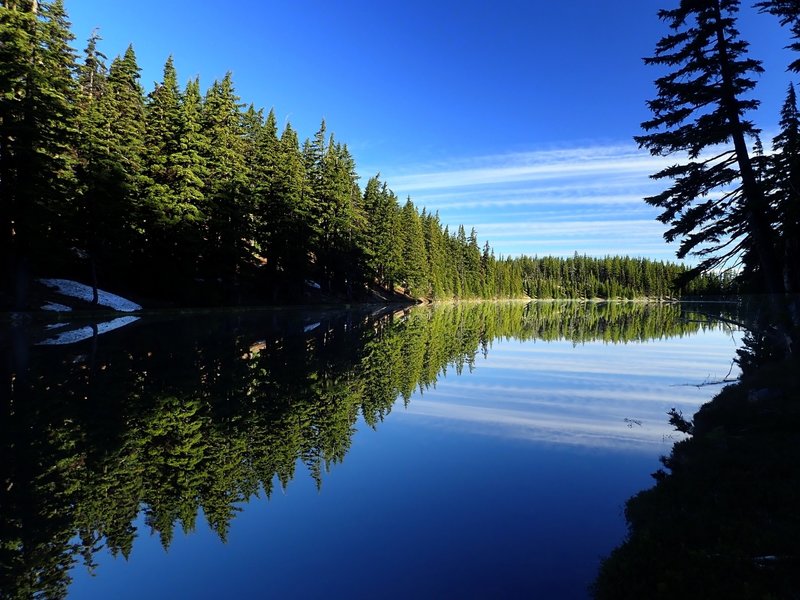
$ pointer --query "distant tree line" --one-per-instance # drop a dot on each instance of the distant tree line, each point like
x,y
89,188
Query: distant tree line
x,y
186,195
617,277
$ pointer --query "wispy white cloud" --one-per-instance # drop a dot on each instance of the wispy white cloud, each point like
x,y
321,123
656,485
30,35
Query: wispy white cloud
x,y
592,228
495,199
548,165
581,430
587,199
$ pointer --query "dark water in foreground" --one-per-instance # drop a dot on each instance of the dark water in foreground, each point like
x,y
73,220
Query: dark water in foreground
x,y
459,451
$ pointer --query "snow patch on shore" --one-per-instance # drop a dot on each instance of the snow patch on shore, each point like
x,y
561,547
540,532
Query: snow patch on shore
x,y
67,287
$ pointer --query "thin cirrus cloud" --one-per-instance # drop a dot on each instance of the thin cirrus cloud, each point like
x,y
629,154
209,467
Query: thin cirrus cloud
x,y
585,199
545,165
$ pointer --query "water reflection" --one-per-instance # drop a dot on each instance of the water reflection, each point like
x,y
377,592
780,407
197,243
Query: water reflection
x,y
598,395
182,416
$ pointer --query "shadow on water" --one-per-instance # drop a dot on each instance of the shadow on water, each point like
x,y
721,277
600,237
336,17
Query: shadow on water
x,y
722,520
181,416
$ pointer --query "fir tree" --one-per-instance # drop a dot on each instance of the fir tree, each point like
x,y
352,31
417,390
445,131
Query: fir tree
x,y
415,264
229,228
788,11
95,163
435,250
262,160
163,132
289,209
37,99
113,173
191,168
783,175
715,205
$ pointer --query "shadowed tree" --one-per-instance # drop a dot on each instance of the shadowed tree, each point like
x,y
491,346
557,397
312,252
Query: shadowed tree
x,y
380,242
715,205
37,109
113,171
788,11
229,231
783,173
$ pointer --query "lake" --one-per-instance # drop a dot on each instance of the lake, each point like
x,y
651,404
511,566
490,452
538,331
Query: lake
x,y
469,450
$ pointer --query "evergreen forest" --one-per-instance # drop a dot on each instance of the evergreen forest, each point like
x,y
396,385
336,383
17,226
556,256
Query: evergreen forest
x,y
188,196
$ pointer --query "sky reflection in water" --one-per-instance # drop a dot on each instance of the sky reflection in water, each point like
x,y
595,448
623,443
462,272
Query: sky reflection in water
x,y
593,394
505,481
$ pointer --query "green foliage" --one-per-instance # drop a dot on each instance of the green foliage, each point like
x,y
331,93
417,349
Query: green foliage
x,y
414,266
37,133
232,406
188,197
616,277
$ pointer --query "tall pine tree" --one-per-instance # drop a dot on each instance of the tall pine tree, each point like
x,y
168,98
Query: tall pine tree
x,y
228,245
37,99
714,205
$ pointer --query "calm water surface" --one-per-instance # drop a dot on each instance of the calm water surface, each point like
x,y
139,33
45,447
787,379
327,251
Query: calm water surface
x,y
458,451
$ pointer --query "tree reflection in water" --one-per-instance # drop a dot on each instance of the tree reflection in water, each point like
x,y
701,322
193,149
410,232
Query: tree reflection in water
x,y
172,416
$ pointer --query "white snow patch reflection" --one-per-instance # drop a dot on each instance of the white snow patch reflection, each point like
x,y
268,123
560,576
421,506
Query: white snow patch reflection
x,y
76,335
56,307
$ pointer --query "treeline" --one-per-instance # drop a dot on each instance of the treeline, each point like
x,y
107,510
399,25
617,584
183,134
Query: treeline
x,y
191,196
94,435
184,194
617,277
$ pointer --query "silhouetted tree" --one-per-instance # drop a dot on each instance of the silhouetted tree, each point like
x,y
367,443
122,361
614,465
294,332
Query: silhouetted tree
x,y
715,205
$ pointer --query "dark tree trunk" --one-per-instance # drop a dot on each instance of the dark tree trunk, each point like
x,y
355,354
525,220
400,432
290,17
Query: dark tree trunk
x,y
755,202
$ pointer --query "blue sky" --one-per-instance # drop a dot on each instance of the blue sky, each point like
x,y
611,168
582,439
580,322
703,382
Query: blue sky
x,y
514,117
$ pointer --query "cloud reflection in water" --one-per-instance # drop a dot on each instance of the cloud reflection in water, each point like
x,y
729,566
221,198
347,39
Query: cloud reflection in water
x,y
592,394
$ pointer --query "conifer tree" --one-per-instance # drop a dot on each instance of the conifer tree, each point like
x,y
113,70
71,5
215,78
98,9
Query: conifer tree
x,y
380,242
174,186
435,250
415,263
95,164
289,210
345,222
783,173
318,201
125,114
191,169
488,272
229,231
114,180
714,205
472,265
92,72
262,155
788,11
37,95
163,129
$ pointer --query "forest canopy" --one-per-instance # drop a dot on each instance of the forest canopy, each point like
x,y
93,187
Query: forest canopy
x,y
185,195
